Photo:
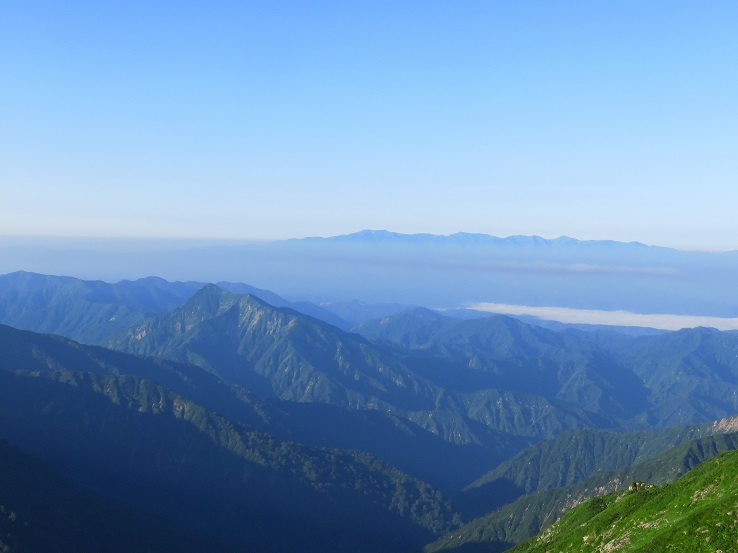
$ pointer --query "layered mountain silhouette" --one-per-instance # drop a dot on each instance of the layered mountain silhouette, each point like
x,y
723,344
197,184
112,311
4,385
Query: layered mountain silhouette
x,y
262,427
94,311
136,439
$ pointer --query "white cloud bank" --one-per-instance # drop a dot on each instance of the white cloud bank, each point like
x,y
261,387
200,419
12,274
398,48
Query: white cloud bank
x,y
614,318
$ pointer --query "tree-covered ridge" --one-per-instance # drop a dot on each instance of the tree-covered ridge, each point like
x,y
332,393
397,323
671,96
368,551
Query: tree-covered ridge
x,y
40,410
441,374
280,416
137,440
567,372
696,513
574,456
631,383
553,381
528,515
397,441
693,373
92,311
278,352
84,310
281,353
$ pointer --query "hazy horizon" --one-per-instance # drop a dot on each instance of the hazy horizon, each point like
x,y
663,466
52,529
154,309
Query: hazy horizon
x,y
187,141
188,241
284,119
567,280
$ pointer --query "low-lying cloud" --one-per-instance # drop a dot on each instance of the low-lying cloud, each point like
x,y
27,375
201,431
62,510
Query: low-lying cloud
x,y
613,318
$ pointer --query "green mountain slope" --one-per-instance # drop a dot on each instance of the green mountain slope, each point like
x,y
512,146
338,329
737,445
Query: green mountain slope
x,y
643,382
276,352
696,513
693,373
282,353
145,429
504,353
531,513
394,439
31,351
87,311
92,312
574,456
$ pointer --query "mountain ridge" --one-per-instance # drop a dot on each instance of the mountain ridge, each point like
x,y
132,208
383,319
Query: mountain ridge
x,y
518,521
382,236
694,513
294,357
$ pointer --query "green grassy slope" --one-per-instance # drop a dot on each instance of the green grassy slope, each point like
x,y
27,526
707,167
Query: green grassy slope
x,y
531,513
696,513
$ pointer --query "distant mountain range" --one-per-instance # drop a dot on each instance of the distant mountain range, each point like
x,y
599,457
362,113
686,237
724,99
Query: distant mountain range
x,y
382,267
384,238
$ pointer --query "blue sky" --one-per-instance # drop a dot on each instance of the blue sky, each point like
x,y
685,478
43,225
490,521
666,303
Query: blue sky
x,y
264,120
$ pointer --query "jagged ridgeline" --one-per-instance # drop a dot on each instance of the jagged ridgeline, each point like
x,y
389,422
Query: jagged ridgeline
x,y
92,312
283,354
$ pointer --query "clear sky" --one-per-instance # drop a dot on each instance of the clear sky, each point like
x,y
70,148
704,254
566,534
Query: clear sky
x,y
272,119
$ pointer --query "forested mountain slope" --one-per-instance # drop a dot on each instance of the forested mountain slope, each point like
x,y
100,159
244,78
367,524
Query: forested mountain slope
x,y
281,353
393,439
133,439
207,384
92,311
528,515
646,382
574,456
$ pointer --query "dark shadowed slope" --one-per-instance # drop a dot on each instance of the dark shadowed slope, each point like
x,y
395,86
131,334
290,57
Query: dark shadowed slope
x,y
135,440
392,438
40,510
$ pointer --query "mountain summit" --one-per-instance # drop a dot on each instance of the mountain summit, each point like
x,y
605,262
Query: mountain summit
x,y
274,351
